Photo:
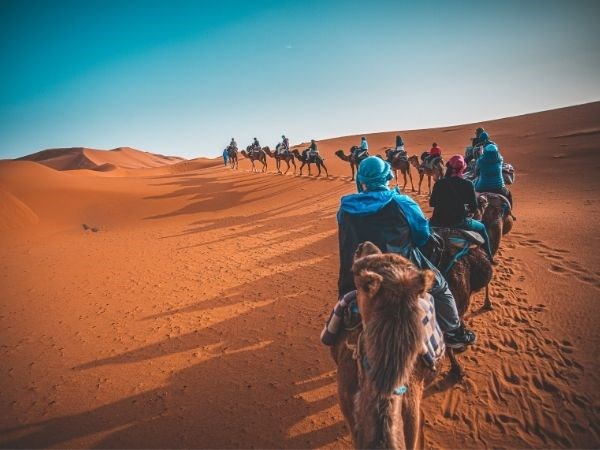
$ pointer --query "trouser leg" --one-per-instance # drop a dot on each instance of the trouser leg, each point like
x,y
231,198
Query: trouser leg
x,y
445,305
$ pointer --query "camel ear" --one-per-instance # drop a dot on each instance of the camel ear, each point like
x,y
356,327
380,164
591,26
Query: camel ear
x,y
428,278
366,248
369,282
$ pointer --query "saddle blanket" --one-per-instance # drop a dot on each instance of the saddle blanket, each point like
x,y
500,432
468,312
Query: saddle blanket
x,y
433,343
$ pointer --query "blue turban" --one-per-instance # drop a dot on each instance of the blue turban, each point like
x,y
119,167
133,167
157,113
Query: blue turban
x,y
375,173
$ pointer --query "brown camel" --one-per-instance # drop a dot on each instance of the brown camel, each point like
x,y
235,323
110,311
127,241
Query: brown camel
x,y
305,160
259,156
400,163
233,157
496,215
465,276
381,356
287,157
351,158
437,171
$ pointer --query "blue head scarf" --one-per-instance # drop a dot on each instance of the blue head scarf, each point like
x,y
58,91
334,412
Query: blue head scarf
x,y
375,173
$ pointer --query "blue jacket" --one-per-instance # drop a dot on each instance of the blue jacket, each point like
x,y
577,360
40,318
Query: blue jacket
x,y
489,166
392,221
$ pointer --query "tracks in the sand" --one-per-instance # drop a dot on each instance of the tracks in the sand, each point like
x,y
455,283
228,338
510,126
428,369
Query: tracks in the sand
x,y
520,381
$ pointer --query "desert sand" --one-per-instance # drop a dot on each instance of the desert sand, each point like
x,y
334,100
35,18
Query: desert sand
x,y
191,316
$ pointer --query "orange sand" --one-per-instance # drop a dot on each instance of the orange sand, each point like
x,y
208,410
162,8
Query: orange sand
x,y
191,318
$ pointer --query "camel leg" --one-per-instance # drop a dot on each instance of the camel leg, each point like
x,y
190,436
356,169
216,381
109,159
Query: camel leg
x,y
429,184
294,164
420,182
487,304
411,180
352,168
456,371
326,173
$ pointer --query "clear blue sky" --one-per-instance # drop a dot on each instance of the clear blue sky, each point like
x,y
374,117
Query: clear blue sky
x,y
183,77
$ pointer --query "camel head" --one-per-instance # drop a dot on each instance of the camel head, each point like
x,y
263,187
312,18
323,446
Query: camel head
x,y
340,154
388,290
384,281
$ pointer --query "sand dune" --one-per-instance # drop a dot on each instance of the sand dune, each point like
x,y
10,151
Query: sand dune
x,y
103,160
191,318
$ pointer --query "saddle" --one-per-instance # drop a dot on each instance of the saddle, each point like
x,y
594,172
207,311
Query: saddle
x,y
397,155
458,241
360,155
508,173
428,163
433,339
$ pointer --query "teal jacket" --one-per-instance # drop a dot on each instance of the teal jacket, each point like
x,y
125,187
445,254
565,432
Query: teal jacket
x,y
489,167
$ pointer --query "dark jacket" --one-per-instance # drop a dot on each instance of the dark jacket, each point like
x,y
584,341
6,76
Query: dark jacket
x,y
392,221
448,198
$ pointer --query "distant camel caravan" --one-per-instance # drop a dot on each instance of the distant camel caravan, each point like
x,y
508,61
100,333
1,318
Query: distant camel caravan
x,y
256,155
381,373
305,160
400,163
354,158
233,157
287,157
436,171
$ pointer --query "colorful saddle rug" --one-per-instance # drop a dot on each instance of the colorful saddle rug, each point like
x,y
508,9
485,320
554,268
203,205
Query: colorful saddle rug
x,y
345,315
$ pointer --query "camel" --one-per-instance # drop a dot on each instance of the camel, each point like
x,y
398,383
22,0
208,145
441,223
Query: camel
x,y
465,276
233,157
496,215
380,375
436,172
305,161
354,162
260,156
401,164
287,157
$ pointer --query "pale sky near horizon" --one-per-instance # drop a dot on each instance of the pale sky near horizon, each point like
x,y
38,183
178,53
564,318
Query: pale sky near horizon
x,y
183,77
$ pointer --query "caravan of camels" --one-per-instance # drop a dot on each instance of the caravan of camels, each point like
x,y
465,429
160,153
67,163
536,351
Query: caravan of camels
x,y
392,349
166,302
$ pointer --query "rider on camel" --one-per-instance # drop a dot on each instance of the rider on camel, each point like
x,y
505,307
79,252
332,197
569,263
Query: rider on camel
x,y
429,158
357,152
233,145
313,151
284,147
489,170
453,200
255,146
398,150
480,140
393,222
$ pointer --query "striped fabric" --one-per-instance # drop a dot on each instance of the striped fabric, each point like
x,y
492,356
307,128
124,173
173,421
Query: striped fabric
x,y
433,344
334,323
